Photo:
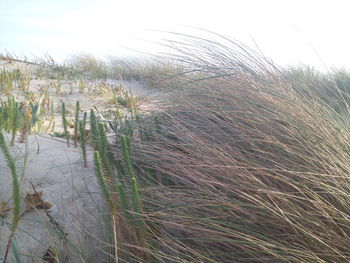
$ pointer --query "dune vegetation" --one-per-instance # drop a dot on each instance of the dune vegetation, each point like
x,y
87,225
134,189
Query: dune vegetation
x,y
237,160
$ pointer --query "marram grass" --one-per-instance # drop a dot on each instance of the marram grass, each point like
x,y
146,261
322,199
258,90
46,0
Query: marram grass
x,y
260,168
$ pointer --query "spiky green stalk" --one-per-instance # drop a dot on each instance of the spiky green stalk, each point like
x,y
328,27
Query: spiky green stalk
x,y
82,141
64,120
120,172
123,201
76,123
105,150
101,181
53,117
15,184
102,139
125,145
13,118
84,119
135,199
93,129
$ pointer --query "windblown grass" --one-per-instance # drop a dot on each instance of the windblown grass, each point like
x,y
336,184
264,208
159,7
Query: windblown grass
x,y
332,88
89,66
150,70
248,168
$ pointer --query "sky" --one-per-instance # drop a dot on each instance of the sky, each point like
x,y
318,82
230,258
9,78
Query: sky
x,y
289,32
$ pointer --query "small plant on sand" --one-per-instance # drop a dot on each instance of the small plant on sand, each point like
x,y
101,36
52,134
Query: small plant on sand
x,y
83,140
64,123
101,179
123,201
51,124
57,85
13,118
136,200
37,111
108,198
105,151
76,123
23,81
125,146
93,129
7,82
24,117
82,85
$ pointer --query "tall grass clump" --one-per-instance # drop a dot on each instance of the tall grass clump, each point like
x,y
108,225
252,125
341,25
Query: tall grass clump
x,y
89,66
122,192
149,70
259,171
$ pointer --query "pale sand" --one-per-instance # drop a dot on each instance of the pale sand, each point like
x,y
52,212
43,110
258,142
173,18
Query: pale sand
x,y
72,190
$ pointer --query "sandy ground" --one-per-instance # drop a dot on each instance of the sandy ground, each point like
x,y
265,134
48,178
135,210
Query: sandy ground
x,y
12,65
69,91
72,191
57,171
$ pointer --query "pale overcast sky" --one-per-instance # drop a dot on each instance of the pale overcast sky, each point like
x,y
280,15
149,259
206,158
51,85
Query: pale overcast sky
x,y
287,31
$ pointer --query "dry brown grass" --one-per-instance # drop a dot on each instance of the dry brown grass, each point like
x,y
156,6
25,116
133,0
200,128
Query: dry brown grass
x,y
248,169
